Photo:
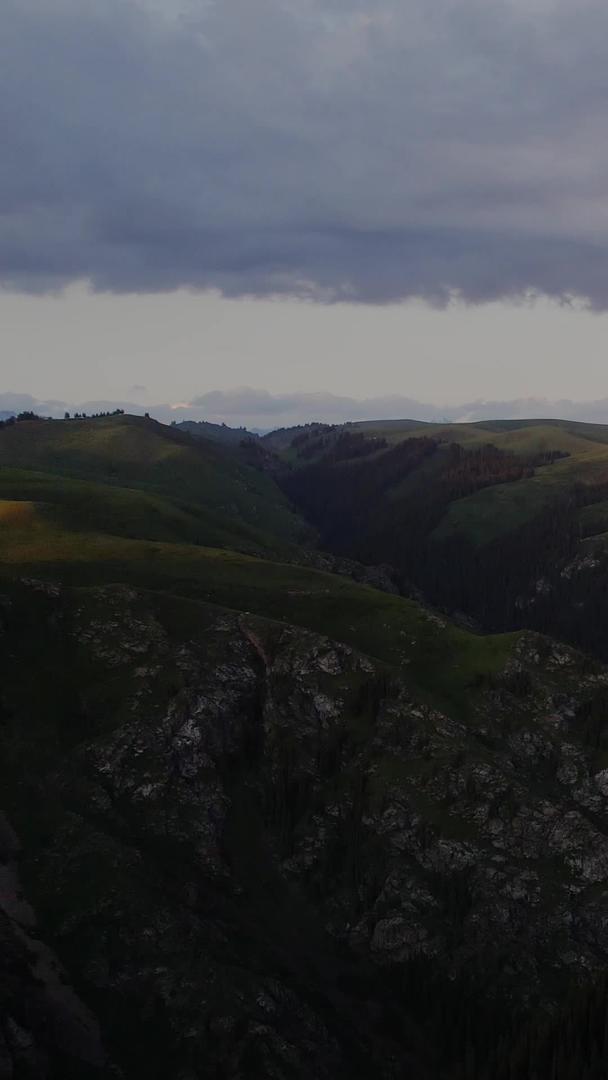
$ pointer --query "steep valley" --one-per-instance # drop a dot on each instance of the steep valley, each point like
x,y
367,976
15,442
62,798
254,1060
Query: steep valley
x,y
503,522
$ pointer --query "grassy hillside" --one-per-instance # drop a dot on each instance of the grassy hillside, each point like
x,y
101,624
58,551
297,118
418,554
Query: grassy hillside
x,y
514,434
132,476
83,505
557,457
505,521
123,499
585,444
444,661
491,512
398,429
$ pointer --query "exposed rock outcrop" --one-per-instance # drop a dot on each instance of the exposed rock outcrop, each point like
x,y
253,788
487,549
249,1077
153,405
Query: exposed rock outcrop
x,y
46,1031
234,831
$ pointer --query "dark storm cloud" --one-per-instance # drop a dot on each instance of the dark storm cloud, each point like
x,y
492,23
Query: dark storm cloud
x,y
333,150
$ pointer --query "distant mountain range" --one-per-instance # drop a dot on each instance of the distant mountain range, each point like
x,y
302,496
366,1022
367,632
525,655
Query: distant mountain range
x,y
259,411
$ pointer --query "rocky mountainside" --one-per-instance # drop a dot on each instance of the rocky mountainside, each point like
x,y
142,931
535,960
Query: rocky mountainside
x,y
260,852
45,1028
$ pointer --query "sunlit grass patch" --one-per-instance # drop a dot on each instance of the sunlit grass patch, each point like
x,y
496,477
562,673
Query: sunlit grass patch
x,y
16,512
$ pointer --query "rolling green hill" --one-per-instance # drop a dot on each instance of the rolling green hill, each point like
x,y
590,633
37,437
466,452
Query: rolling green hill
x,y
444,662
474,515
132,476
505,520
124,499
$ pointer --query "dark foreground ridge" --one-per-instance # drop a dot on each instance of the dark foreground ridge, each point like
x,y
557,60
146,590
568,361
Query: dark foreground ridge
x,y
258,853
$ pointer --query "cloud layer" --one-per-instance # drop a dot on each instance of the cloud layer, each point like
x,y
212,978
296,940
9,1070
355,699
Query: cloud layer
x,y
260,410
335,149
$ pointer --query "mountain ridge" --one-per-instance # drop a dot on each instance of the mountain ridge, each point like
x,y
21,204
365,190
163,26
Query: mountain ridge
x,y
275,821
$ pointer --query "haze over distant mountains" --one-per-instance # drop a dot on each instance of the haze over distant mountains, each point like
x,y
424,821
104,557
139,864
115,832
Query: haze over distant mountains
x,y
259,409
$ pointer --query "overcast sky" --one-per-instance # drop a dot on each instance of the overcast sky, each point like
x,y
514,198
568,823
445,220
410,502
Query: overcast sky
x,y
304,195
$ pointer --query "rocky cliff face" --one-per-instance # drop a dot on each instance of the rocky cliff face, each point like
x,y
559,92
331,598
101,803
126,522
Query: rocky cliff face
x,y
242,838
45,1028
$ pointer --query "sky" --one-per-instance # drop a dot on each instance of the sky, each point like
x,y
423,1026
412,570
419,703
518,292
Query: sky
x,y
385,201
